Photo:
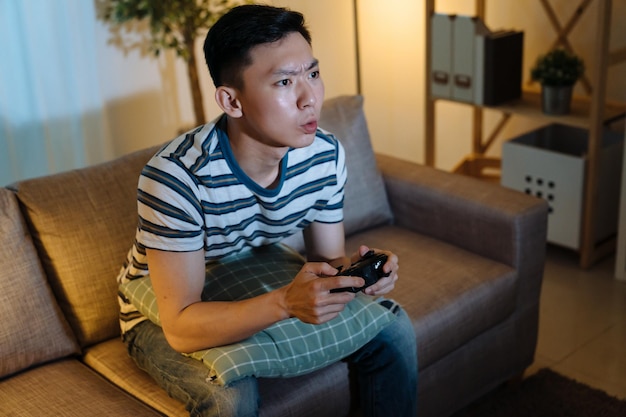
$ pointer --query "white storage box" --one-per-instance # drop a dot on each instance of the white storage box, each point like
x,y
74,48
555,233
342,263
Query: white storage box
x,y
550,163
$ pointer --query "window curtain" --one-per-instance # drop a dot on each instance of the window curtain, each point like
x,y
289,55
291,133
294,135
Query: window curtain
x,y
51,107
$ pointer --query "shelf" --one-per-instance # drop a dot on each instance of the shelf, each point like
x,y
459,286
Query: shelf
x,y
620,261
529,105
592,113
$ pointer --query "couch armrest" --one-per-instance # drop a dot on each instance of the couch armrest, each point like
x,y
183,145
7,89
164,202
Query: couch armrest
x,y
484,218
481,217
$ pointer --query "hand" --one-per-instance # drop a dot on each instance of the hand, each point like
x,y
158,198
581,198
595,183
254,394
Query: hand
x,y
308,296
386,284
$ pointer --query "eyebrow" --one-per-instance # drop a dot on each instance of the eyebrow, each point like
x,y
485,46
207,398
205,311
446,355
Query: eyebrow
x,y
286,71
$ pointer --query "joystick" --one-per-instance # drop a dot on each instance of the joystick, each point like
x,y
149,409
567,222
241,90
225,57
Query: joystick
x,y
369,267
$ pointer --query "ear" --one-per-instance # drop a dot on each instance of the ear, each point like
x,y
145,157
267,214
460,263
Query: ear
x,y
226,98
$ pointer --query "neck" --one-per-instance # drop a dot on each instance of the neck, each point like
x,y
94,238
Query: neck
x,y
260,162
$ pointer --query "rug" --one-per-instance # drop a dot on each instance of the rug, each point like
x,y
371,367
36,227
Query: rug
x,y
546,394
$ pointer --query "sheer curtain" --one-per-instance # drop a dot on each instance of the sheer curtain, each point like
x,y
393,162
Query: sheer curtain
x,y
51,107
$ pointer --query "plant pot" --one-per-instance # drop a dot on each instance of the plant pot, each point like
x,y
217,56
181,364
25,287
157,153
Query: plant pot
x,y
555,100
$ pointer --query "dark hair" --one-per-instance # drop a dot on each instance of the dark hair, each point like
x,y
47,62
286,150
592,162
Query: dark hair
x,y
229,41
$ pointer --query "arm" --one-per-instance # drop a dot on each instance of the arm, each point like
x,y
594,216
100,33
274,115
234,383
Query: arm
x,y
325,242
191,324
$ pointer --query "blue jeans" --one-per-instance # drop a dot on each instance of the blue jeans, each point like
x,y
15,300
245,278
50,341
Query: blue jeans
x,y
386,371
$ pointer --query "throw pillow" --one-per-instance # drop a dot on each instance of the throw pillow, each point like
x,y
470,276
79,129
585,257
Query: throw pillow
x,y
365,202
287,348
33,329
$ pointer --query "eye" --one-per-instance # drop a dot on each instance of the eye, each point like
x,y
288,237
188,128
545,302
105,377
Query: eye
x,y
314,74
283,83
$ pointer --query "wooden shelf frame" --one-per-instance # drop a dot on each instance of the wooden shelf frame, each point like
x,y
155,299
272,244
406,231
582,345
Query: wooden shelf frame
x,y
588,112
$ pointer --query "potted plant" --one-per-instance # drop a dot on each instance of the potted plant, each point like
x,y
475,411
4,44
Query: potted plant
x,y
557,71
174,24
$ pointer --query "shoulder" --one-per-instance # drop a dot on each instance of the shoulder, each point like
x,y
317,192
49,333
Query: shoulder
x,y
175,171
188,154
324,157
327,138
330,140
189,146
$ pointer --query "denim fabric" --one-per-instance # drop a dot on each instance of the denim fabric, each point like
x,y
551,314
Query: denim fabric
x,y
386,370
187,379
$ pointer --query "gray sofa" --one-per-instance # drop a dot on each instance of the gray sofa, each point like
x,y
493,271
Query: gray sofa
x,y
471,261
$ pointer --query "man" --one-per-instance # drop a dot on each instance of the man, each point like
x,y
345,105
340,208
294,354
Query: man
x,y
231,185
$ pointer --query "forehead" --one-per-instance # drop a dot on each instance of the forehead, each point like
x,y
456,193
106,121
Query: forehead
x,y
290,54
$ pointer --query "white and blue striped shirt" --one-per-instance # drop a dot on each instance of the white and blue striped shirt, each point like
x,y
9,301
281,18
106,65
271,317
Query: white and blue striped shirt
x,y
193,195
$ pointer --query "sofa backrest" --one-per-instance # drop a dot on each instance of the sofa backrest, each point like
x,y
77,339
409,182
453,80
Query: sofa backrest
x,y
33,329
83,223
366,203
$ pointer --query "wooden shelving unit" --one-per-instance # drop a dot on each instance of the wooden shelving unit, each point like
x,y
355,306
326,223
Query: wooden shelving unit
x,y
620,259
587,112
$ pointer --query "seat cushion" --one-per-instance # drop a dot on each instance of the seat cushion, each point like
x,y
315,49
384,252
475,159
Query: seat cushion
x,y
450,294
111,360
83,223
297,397
32,329
66,388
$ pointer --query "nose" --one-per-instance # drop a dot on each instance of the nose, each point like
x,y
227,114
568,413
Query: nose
x,y
307,95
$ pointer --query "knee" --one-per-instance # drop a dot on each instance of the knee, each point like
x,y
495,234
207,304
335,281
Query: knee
x,y
394,344
238,400
400,335
400,341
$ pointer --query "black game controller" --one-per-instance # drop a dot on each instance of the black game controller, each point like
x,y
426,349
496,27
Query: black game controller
x,y
369,267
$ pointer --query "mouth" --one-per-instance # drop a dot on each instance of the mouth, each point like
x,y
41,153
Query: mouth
x,y
310,127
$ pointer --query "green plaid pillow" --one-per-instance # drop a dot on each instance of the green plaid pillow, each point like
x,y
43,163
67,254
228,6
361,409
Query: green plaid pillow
x,y
287,348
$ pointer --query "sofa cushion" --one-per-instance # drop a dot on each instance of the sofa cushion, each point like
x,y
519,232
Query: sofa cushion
x,y
83,222
451,295
111,360
287,348
66,388
297,396
32,329
365,199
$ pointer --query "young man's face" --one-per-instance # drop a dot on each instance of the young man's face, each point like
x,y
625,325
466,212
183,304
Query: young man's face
x,y
282,93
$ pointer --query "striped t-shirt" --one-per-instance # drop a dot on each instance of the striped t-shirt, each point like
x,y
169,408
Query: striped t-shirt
x,y
193,195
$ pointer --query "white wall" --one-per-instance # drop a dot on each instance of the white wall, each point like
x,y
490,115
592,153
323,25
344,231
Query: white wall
x,y
140,93
393,73
147,100
333,40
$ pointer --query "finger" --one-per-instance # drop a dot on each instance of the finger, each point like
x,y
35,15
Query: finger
x,y
329,311
341,281
391,266
382,286
320,269
360,253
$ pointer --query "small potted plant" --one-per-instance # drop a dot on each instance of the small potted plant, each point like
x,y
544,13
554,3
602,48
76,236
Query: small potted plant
x,y
557,71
